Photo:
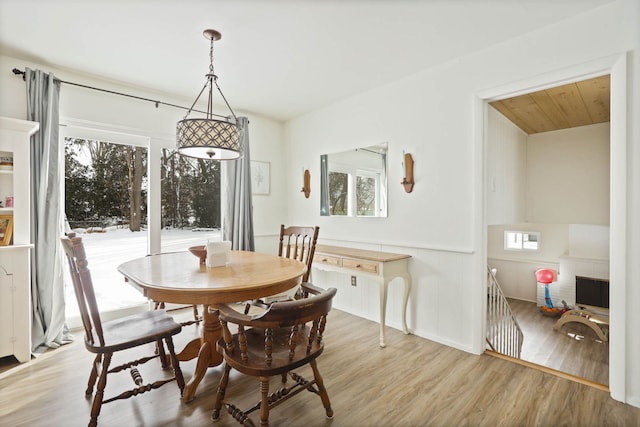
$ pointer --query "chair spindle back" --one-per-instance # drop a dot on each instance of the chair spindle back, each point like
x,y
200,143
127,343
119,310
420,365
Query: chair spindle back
x,y
83,287
291,315
299,243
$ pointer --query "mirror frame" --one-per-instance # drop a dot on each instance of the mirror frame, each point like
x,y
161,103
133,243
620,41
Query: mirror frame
x,y
356,163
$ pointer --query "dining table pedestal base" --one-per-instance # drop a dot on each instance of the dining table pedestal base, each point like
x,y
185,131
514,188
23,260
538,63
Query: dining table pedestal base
x,y
204,348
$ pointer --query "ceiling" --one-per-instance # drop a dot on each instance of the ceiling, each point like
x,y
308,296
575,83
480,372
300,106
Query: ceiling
x,y
277,58
577,104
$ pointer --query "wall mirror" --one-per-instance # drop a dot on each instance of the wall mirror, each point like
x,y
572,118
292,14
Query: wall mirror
x,y
354,182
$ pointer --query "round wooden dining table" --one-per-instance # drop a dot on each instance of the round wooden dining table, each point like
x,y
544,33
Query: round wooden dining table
x,y
178,277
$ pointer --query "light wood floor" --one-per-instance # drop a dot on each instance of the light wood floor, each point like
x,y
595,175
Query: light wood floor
x,y
412,382
574,348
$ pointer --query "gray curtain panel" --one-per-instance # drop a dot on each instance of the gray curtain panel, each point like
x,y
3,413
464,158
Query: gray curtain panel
x,y
47,283
238,212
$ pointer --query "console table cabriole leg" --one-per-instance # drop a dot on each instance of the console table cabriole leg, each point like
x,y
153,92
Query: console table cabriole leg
x,y
407,292
384,284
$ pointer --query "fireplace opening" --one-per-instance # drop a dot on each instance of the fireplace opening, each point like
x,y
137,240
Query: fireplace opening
x,y
592,292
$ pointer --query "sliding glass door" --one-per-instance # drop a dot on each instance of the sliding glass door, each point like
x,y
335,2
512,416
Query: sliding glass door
x,y
190,201
128,198
105,204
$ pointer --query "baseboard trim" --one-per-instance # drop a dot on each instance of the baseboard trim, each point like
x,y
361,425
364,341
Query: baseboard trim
x,y
551,371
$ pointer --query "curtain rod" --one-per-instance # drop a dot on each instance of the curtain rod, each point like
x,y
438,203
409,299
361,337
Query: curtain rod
x,y
20,72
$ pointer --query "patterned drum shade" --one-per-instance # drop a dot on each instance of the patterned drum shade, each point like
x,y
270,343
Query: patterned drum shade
x,y
208,139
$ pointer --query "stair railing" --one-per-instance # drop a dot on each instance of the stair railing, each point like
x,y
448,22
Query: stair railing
x,y
503,332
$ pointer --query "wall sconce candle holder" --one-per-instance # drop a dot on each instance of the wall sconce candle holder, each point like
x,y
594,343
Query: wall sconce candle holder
x,y
306,189
408,181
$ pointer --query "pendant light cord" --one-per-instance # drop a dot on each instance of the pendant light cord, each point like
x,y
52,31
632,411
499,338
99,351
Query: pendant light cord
x,y
212,79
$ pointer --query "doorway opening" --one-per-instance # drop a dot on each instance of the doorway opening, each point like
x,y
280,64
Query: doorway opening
x,y
547,172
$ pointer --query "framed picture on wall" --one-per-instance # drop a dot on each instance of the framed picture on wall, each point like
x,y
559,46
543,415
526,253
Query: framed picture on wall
x,y
260,177
6,228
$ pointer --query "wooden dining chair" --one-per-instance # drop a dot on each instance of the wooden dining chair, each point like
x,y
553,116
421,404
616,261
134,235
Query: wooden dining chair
x,y
287,336
106,338
299,243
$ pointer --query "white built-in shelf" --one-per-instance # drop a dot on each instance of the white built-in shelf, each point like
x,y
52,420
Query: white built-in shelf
x,y
15,259
583,259
16,247
7,172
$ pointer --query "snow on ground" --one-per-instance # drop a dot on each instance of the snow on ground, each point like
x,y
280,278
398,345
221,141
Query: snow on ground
x,y
105,251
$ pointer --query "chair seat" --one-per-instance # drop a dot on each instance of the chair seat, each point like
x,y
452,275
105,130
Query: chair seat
x,y
134,330
256,363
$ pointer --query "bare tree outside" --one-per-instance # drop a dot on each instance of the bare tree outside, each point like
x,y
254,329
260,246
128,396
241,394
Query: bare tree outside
x,y
106,189
136,172
106,184
190,191
366,195
338,193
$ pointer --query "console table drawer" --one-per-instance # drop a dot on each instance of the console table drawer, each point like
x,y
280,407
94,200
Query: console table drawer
x,y
356,264
330,260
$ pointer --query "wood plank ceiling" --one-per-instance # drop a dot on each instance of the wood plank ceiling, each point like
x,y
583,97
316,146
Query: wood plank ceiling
x,y
571,105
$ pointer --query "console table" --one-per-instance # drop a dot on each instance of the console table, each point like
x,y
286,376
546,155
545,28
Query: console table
x,y
380,266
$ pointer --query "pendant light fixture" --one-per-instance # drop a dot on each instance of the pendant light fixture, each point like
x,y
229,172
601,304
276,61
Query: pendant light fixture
x,y
209,138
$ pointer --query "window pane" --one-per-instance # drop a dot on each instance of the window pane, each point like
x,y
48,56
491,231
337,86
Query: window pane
x,y
521,240
338,193
530,241
105,204
366,196
190,201
513,240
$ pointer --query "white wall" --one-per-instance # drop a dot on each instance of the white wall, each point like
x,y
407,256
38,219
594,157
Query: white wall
x,y
568,175
433,116
589,241
551,177
506,170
